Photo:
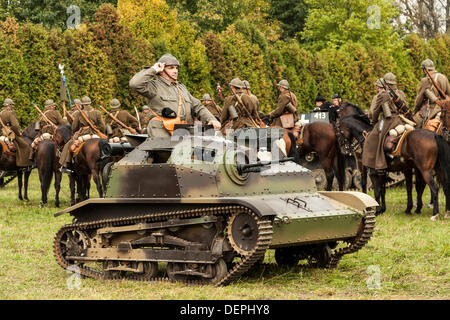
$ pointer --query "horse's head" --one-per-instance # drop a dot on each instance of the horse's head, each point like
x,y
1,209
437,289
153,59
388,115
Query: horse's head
x,y
30,132
355,126
62,134
348,108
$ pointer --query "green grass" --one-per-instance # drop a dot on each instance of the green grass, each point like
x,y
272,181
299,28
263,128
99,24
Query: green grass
x,y
411,252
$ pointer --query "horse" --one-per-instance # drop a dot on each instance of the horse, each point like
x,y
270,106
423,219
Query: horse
x,y
445,116
433,154
8,162
319,137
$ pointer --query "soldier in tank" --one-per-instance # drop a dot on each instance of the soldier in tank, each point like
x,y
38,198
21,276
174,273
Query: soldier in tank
x,y
168,98
144,118
208,102
9,119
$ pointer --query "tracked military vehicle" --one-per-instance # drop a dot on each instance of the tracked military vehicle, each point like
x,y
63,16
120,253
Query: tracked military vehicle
x,y
204,210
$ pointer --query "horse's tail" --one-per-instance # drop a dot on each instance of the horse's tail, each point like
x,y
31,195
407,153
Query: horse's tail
x,y
293,152
49,157
444,161
340,174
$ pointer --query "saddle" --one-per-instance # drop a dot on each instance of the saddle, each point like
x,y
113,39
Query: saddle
x,y
44,136
7,146
393,145
78,143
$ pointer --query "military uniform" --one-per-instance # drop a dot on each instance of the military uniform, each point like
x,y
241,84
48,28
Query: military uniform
x,y
23,149
164,98
287,103
117,131
81,127
233,111
215,110
255,98
73,111
144,118
53,115
424,108
373,152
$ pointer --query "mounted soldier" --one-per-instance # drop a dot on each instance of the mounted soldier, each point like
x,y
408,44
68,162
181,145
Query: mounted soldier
x,y
285,114
87,124
144,118
11,130
384,115
170,101
427,107
239,107
72,112
116,120
208,102
49,119
249,92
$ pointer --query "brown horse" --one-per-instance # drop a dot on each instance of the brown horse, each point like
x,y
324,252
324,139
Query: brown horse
x,y
433,154
445,116
8,162
46,160
320,138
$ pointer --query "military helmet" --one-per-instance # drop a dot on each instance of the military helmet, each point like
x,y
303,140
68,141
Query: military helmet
x,y
169,60
390,78
379,83
336,96
114,104
145,108
428,64
49,102
206,97
284,84
236,82
86,100
8,102
246,84
77,101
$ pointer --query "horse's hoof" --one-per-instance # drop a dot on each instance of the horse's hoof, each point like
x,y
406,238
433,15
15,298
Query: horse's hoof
x,y
435,217
408,213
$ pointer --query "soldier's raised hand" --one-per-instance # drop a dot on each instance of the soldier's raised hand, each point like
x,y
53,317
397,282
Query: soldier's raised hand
x,y
159,67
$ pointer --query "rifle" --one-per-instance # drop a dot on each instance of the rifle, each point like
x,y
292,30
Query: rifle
x,y
44,116
399,104
66,112
138,119
98,132
9,133
244,108
441,93
216,107
118,121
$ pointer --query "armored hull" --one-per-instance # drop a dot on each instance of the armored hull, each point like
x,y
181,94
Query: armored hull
x,y
209,209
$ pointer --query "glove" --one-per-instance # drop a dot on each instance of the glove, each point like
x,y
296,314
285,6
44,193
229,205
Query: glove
x,y
159,67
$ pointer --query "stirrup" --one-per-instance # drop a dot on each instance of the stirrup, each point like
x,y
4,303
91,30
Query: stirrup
x,y
65,170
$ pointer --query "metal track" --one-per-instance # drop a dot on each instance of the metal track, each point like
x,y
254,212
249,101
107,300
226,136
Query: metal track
x,y
263,242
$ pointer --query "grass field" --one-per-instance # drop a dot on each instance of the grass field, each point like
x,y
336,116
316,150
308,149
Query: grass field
x,y
411,254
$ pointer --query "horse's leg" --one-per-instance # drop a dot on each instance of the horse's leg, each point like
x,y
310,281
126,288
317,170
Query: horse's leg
x,y
408,179
19,182
41,180
326,164
434,188
98,183
72,180
58,177
383,194
364,175
420,187
25,185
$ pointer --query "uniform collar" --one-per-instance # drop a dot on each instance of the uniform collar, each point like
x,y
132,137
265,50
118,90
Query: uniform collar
x,y
167,82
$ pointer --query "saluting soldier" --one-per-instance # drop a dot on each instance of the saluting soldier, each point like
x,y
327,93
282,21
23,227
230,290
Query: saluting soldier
x,y
243,115
287,105
115,129
428,102
168,98
9,119
249,92
144,118
212,107
383,113
81,127
53,115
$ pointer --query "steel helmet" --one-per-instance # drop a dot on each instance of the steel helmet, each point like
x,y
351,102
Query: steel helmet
x,y
284,84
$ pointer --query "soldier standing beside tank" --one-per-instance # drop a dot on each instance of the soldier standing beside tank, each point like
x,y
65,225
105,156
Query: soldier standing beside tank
x,y
81,127
239,107
211,106
144,118
428,103
9,119
383,113
54,118
168,98
287,106
115,129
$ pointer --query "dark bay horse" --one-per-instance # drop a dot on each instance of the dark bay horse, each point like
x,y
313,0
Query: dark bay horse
x,y
433,154
320,138
86,164
8,162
